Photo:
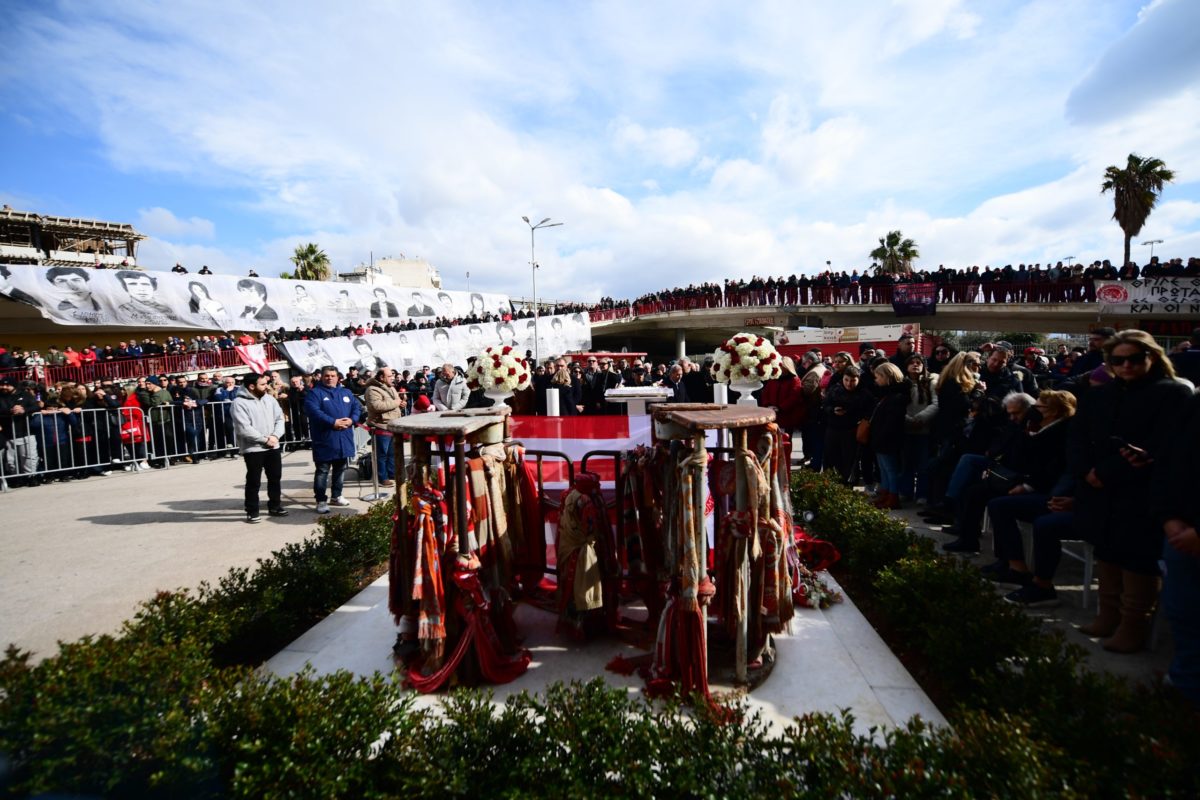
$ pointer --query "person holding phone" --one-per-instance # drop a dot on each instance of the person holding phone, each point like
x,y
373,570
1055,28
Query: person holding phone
x,y
1121,428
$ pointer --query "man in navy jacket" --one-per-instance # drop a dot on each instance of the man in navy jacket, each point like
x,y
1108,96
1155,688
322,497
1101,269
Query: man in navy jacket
x,y
332,411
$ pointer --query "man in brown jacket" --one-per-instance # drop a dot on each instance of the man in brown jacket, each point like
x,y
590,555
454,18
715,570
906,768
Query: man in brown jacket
x,y
383,406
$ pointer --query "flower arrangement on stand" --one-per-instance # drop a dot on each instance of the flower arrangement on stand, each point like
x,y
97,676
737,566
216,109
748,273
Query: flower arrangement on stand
x,y
499,371
744,362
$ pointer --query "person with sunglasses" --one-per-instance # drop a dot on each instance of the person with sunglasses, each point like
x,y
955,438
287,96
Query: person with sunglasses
x,y
940,358
1121,429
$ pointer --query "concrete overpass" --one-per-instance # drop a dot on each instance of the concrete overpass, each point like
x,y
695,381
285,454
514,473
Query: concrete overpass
x,y
703,329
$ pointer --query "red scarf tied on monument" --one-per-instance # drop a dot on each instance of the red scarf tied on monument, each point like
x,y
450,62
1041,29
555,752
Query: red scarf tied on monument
x,y
589,571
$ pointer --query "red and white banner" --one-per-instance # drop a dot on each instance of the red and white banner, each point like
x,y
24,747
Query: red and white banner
x,y
577,436
254,356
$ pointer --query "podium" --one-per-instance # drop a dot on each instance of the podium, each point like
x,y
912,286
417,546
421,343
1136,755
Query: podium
x,y
637,398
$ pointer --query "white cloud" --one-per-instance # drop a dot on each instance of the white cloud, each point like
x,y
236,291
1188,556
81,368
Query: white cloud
x,y
162,223
679,142
670,147
1157,58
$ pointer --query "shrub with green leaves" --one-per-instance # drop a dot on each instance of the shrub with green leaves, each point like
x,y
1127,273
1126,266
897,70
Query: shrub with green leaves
x,y
170,708
869,539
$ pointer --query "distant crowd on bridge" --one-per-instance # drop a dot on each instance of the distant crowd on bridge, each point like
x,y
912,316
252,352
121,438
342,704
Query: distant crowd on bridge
x,y
1057,283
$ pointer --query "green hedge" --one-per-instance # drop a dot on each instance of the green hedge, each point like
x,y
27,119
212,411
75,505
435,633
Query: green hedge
x,y
987,656
173,708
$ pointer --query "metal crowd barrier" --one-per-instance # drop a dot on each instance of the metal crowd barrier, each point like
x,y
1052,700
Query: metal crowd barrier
x,y
76,442
177,433
66,443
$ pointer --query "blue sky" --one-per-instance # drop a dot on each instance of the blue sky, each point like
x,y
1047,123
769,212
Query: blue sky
x,y
678,142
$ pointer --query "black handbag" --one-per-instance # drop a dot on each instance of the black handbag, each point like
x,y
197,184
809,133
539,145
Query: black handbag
x,y
1000,479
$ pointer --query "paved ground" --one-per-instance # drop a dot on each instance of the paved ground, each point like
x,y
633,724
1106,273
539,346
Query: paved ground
x,y
77,558
1146,666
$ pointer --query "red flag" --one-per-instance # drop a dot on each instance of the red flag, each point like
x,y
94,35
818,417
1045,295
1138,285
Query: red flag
x,y
253,356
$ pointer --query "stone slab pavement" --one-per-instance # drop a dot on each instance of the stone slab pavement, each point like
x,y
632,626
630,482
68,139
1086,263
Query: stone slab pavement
x,y
829,661
79,557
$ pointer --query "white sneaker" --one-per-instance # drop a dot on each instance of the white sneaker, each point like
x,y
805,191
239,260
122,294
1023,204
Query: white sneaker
x,y
144,465
322,508
339,501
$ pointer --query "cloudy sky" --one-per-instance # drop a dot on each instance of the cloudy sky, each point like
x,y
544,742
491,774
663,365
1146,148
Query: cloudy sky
x,y
677,141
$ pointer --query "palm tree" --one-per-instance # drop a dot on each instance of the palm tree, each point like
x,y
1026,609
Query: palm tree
x,y
311,263
1135,192
895,254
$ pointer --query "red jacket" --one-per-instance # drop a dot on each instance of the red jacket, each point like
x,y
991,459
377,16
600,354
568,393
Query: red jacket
x,y
786,396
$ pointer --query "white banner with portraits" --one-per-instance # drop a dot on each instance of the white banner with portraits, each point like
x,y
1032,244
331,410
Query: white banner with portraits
x,y
85,296
431,347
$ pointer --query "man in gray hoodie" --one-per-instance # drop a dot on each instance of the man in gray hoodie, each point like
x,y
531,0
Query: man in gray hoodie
x,y
258,426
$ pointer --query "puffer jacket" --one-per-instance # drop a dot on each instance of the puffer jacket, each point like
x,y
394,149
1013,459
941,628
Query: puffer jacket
x,y
383,404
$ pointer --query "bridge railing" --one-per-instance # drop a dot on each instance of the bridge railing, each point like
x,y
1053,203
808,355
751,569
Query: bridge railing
x,y
967,291
129,369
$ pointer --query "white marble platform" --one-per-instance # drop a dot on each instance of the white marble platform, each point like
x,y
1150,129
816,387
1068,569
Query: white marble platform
x,y
832,660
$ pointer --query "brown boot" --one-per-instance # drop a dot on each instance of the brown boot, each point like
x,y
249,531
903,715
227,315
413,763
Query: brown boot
x,y
1137,604
1108,615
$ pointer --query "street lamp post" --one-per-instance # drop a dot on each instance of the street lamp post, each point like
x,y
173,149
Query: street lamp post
x,y
1151,243
546,223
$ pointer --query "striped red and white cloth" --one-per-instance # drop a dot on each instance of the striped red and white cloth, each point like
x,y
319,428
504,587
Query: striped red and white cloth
x,y
577,436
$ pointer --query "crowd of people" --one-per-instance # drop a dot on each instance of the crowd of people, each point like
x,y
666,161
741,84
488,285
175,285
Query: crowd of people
x,y
1100,446
1093,443
1037,283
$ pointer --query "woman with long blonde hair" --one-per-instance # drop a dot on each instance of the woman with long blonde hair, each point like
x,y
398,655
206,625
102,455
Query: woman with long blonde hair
x,y
958,388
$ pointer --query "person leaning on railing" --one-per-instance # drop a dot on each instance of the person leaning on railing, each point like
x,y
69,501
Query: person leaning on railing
x,y
17,407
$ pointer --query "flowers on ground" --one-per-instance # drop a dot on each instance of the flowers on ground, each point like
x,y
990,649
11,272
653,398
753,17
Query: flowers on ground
x,y
499,369
746,358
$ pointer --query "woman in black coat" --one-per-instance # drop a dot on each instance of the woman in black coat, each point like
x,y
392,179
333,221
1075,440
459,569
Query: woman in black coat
x,y
568,394
1121,428
958,387
846,403
887,430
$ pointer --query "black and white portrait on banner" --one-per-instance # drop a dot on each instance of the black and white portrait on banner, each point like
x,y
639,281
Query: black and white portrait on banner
x,y
73,295
428,347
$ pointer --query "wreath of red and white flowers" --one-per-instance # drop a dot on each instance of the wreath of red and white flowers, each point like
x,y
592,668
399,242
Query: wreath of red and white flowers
x,y
746,358
499,369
